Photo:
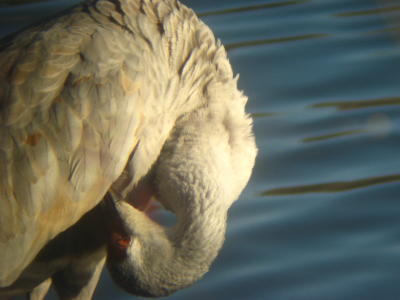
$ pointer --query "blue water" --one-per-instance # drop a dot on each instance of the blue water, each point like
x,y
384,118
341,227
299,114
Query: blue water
x,y
320,218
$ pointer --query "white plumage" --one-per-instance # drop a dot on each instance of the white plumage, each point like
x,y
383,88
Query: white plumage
x,y
111,95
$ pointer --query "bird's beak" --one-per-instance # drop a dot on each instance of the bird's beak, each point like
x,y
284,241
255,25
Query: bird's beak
x,y
118,239
140,199
141,196
112,216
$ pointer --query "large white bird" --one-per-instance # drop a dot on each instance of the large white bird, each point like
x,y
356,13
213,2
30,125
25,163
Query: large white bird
x,y
102,108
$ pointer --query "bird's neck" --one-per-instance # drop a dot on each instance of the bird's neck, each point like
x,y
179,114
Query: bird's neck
x,y
201,230
159,261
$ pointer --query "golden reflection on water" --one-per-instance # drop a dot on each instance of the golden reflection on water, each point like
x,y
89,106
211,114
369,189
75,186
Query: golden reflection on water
x,y
378,125
359,104
276,40
332,187
375,11
389,29
264,115
252,7
333,135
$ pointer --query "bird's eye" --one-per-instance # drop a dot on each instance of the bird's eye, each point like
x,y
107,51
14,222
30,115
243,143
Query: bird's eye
x,y
123,243
120,241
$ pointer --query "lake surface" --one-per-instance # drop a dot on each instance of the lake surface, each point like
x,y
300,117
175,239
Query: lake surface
x,y
320,218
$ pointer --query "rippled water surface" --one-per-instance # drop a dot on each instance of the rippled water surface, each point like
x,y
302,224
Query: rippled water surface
x,y
320,218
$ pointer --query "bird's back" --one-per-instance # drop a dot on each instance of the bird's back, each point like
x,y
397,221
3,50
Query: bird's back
x,y
86,96
67,127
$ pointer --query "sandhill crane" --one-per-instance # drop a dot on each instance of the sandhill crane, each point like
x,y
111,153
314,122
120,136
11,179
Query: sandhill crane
x,y
106,106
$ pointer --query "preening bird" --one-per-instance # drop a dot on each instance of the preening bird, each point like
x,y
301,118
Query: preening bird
x,y
109,105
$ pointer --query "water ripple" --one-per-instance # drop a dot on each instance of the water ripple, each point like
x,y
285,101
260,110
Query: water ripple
x,y
360,104
375,11
264,115
276,40
19,2
252,7
333,135
332,187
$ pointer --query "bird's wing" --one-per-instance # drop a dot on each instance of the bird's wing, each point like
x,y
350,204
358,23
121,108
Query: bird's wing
x,y
70,108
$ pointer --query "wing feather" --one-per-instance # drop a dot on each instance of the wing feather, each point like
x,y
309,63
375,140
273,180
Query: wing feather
x,y
69,120
74,105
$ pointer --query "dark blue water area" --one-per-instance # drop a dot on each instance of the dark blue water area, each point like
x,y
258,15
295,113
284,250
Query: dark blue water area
x,y
320,218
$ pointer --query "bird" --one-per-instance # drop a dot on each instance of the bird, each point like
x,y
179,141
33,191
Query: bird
x,y
104,108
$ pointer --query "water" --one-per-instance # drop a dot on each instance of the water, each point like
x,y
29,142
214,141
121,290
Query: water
x,y
320,217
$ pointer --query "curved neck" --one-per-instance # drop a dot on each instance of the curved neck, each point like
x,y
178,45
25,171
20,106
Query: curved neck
x,y
200,228
159,262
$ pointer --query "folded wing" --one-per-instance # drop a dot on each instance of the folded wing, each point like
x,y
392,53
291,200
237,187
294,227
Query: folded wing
x,y
69,120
